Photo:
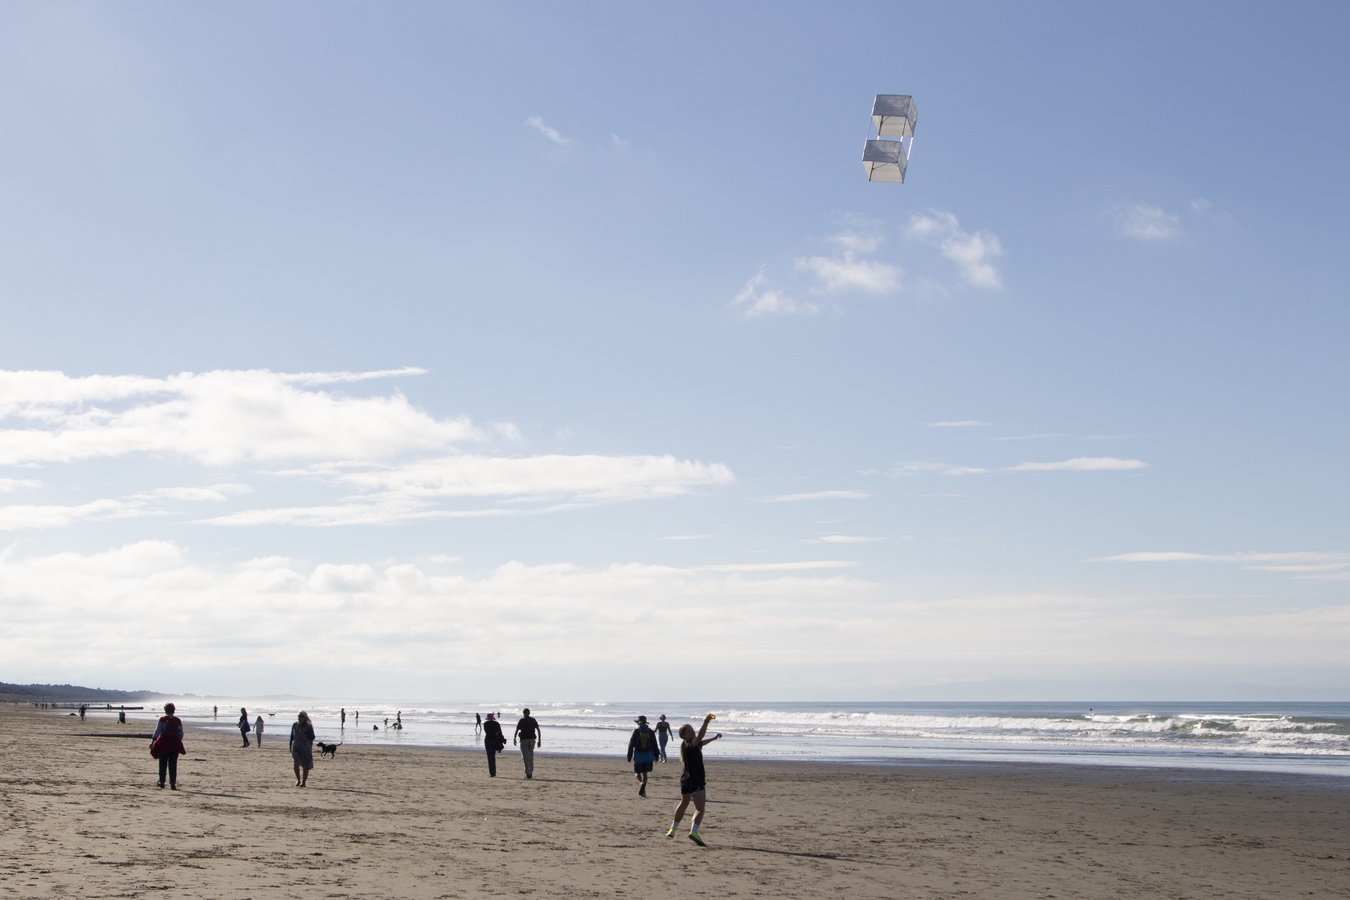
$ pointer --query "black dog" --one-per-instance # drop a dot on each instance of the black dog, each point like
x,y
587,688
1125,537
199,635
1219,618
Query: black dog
x,y
329,750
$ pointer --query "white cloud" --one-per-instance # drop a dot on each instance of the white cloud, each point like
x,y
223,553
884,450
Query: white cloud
x,y
1081,464
760,300
1317,565
538,125
936,468
855,241
216,493
1147,223
17,517
819,495
146,613
971,252
848,273
8,485
781,567
845,539
216,418
407,492
960,423
146,603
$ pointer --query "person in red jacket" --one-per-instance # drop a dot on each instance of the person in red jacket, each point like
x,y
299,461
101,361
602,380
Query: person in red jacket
x,y
166,745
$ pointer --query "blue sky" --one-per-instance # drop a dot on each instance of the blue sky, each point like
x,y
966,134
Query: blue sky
x,y
656,369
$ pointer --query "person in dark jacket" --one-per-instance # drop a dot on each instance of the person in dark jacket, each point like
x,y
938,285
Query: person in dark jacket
x,y
642,752
493,741
244,725
166,744
302,748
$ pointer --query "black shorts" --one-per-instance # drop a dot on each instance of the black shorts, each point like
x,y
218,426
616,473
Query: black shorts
x,y
642,767
692,787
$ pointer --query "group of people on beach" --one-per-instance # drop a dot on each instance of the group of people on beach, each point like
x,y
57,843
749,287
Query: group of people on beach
x,y
166,744
646,746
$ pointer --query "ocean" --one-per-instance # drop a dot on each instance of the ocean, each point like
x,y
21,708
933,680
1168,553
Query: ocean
x,y
1310,738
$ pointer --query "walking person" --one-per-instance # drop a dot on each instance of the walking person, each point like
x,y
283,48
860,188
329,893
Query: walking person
x,y
642,753
477,722
342,724
663,735
166,745
494,742
244,725
530,735
693,782
258,730
302,748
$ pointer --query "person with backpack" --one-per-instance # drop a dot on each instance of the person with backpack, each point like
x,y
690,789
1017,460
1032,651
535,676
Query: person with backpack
x,y
166,745
642,753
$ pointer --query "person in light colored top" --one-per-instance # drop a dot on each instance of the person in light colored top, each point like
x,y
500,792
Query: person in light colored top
x,y
258,730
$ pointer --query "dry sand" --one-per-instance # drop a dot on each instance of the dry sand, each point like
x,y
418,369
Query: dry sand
x,y
82,816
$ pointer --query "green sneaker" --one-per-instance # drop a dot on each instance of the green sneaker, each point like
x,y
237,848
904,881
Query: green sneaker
x,y
697,838
670,833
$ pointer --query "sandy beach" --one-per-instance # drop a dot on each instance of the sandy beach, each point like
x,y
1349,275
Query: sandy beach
x,y
81,815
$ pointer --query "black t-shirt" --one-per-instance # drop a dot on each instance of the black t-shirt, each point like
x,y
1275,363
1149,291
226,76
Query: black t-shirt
x,y
692,756
528,728
663,727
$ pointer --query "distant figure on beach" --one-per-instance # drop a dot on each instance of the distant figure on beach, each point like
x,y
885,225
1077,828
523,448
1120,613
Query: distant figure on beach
x,y
494,742
244,725
398,722
477,722
642,752
215,712
528,733
166,745
663,735
258,730
358,717
82,709
342,723
121,717
693,782
302,748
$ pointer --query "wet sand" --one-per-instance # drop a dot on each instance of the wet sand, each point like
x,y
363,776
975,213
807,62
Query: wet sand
x,y
82,816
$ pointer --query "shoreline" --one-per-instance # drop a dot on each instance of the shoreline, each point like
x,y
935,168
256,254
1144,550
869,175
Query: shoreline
x,y
83,816
1268,766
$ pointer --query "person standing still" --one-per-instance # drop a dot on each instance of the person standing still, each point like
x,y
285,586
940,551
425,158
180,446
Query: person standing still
x,y
244,725
663,735
530,735
343,723
494,742
166,745
302,748
258,730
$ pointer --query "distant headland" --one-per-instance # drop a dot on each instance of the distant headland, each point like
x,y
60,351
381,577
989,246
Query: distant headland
x,y
67,693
